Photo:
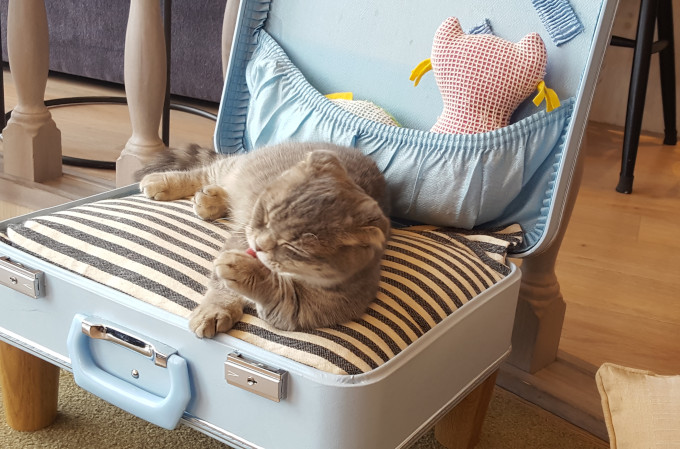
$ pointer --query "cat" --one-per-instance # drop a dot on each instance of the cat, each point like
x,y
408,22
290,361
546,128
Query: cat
x,y
309,228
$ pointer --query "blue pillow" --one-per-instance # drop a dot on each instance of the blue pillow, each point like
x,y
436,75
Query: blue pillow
x,y
464,181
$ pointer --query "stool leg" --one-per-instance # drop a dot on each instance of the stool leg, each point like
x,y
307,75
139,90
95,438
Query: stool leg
x,y
636,93
667,69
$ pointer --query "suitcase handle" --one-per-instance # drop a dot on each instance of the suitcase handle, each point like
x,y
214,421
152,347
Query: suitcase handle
x,y
162,411
103,330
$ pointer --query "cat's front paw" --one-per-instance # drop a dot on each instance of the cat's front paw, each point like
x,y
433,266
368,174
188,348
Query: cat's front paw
x,y
239,270
209,318
158,186
210,203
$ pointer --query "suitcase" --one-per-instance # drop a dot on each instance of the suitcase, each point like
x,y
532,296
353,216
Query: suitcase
x,y
102,286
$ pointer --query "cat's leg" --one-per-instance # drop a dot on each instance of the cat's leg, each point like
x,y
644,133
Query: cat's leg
x,y
219,310
211,202
173,185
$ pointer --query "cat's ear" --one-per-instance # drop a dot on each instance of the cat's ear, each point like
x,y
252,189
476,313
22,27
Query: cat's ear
x,y
372,215
324,161
371,236
373,226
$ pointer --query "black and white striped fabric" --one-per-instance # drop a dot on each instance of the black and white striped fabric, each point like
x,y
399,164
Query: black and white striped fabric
x,y
161,253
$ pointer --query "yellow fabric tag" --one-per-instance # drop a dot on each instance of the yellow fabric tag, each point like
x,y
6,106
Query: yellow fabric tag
x,y
552,101
420,70
341,96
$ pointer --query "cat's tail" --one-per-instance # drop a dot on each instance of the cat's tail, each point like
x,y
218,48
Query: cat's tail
x,y
179,159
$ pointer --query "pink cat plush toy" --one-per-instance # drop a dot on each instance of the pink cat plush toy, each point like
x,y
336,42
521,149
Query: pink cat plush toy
x,y
482,78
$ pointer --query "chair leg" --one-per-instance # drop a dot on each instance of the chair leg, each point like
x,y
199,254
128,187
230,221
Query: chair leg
x,y
667,70
29,389
637,91
461,428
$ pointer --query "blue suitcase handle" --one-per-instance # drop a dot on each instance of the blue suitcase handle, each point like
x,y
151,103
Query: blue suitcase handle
x,y
162,411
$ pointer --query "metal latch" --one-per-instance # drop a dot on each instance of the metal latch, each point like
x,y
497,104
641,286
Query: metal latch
x,y
20,278
255,377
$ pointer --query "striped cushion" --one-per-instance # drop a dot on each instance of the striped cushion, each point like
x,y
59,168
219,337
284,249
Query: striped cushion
x,y
161,253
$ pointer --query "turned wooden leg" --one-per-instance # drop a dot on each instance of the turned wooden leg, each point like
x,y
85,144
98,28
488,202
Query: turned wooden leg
x,y
145,79
228,30
540,309
461,428
29,389
32,142
540,314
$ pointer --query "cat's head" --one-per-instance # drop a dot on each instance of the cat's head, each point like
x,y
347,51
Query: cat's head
x,y
314,222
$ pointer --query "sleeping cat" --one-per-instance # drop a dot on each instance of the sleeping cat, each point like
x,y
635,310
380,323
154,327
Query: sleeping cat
x,y
309,230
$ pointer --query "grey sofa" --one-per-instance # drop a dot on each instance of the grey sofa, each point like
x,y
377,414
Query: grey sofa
x,y
87,39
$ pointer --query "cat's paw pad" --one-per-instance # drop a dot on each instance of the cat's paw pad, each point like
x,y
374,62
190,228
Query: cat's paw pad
x,y
210,203
156,186
209,319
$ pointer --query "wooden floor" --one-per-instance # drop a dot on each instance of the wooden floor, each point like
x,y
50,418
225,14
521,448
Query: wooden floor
x,y
619,267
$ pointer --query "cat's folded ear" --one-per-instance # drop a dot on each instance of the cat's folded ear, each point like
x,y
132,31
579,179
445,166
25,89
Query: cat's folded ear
x,y
372,215
371,236
374,229
325,161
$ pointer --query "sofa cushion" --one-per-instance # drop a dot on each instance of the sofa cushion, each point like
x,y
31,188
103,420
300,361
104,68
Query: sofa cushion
x,y
641,408
87,39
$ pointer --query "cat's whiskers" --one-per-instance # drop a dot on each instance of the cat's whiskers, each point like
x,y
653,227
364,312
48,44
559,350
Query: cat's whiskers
x,y
235,222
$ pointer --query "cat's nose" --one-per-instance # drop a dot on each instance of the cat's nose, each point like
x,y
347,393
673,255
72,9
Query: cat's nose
x,y
265,242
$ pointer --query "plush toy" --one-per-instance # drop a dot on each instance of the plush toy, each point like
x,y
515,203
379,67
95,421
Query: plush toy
x,y
483,78
362,108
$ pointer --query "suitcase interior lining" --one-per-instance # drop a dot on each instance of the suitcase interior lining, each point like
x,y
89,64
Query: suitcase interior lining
x,y
161,253
494,178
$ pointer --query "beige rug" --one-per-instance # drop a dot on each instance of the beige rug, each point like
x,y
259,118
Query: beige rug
x,y
85,421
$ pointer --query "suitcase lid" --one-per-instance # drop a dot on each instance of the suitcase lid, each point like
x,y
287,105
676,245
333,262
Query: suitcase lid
x,y
275,82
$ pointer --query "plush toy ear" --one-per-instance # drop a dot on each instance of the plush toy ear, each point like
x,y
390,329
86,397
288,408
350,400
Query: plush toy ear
x,y
449,30
535,54
532,43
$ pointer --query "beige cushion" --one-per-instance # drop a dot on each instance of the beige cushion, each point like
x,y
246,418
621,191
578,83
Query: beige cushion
x,y
641,408
161,253
367,110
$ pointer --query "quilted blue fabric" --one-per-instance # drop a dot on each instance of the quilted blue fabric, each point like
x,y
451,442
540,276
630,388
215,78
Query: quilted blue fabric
x,y
482,28
559,19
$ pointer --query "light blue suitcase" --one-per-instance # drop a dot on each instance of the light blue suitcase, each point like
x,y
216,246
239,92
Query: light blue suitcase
x,y
267,389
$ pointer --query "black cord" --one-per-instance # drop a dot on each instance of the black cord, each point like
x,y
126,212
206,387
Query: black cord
x,y
88,163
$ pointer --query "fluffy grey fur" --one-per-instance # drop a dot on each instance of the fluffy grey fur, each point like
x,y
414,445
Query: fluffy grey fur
x,y
309,230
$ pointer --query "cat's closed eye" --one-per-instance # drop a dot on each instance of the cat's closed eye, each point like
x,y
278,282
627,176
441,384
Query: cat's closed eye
x,y
294,252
